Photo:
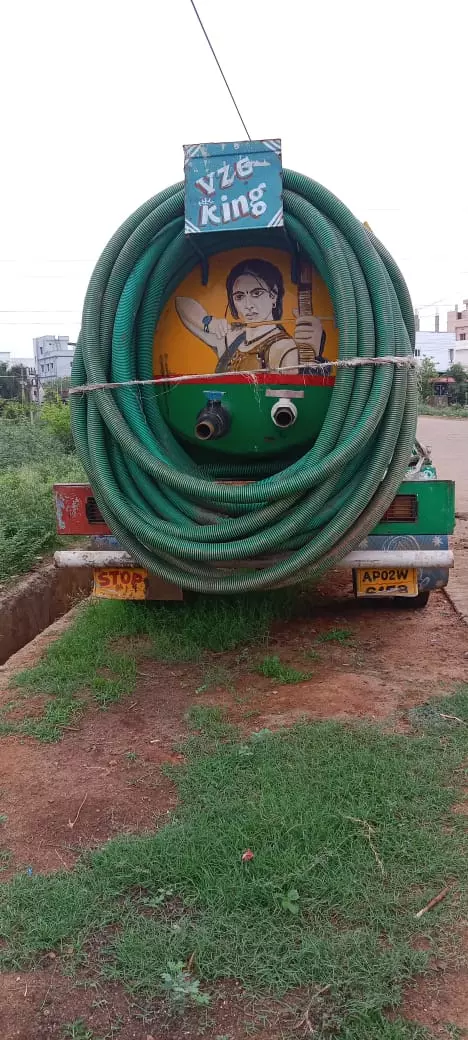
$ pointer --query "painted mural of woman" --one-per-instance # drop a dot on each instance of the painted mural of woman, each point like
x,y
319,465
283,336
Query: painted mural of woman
x,y
255,339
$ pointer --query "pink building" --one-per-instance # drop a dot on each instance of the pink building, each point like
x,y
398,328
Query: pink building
x,y
457,322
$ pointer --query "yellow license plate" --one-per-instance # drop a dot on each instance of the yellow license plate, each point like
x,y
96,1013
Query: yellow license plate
x,y
120,582
391,581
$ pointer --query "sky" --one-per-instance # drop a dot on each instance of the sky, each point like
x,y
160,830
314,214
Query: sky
x,y
98,98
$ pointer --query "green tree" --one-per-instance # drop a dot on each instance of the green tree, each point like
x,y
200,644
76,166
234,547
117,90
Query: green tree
x,y
4,381
458,393
426,373
14,383
458,373
10,385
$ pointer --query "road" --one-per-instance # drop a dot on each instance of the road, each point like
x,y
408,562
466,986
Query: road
x,y
448,439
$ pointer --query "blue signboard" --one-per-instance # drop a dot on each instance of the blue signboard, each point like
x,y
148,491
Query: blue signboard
x,y
233,185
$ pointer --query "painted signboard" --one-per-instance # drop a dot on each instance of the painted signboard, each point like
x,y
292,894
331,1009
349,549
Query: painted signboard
x,y
249,316
258,330
230,186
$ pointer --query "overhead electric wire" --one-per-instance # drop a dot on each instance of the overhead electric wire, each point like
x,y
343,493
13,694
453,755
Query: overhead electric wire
x,y
236,106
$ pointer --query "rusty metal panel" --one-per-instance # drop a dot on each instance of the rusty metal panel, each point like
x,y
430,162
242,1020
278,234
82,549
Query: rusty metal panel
x,y
77,511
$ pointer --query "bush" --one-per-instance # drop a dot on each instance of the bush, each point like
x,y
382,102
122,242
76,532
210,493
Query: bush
x,y
27,511
454,411
426,372
33,457
56,417
22,442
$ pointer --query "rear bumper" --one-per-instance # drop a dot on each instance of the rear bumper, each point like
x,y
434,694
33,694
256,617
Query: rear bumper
x,y
433,570
423,559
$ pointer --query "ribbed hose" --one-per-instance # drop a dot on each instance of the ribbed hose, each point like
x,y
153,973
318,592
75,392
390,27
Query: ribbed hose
x,y
174,517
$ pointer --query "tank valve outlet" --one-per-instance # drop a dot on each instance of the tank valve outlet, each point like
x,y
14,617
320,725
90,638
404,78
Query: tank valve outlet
x,y
212,422
284,413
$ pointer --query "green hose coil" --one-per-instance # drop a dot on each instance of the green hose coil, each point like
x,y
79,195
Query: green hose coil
x,y
174,517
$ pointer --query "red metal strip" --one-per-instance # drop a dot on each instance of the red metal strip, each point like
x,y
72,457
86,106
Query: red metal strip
x,y
77,511
263,379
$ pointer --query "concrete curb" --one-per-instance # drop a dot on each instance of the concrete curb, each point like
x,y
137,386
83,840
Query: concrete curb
x,y
458,598
457,588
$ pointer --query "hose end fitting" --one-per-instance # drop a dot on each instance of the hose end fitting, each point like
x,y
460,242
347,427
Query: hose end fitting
x,y
212,422
284,413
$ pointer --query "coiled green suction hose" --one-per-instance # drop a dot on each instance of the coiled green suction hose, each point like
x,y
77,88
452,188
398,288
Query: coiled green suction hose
x,y
175,518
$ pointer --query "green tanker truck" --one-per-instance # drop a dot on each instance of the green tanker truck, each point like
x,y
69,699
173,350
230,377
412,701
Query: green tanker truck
x,y
244,396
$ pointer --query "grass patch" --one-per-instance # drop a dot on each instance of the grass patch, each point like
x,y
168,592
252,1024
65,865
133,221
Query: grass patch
x,y
343,636
313,655
311,908
209,720
217,624
90,664
78,1030
214,675
75,670
453,411
377,1027
273,668
209,726
6,857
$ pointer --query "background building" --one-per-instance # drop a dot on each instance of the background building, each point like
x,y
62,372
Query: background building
x,y
440,347
53,358
462,355
457,321
8,359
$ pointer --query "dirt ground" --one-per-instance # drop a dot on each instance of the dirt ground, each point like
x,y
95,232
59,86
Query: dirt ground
x,y
109,763
105,778
39,1002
